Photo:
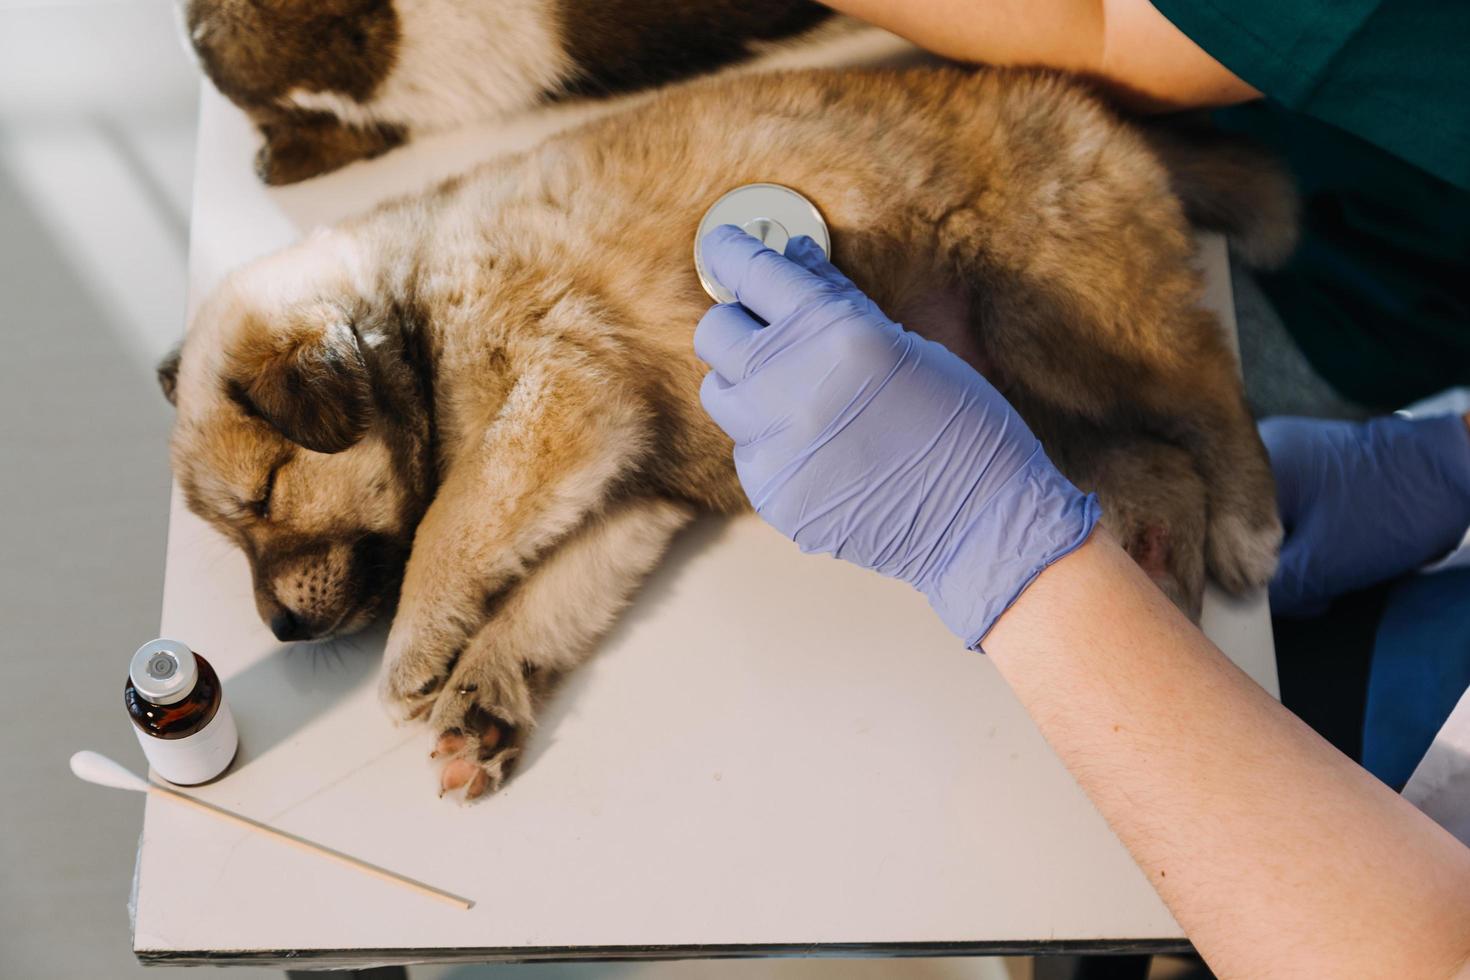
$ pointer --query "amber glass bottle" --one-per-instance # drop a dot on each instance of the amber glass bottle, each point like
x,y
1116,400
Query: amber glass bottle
x,y
179,713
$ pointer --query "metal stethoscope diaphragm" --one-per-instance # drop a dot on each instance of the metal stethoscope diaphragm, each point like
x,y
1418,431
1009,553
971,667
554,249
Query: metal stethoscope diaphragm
x,y
769,212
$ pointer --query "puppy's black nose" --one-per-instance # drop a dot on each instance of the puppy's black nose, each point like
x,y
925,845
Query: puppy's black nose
x,y
287,627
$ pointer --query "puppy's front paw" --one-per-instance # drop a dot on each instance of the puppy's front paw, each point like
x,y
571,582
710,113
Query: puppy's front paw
x,y
301,145
413,674
482,716
289,158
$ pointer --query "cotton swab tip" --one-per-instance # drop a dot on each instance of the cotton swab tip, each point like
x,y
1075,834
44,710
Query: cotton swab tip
x,y
97,768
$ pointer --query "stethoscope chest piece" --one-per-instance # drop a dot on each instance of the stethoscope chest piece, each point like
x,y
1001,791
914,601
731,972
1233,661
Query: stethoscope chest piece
x,y
770,212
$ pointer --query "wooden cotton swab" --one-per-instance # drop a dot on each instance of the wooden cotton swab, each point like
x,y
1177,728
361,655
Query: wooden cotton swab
x,y
97,768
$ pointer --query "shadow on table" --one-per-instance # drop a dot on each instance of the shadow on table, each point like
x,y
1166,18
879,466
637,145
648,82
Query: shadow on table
x,y
275,697
278,695
561,698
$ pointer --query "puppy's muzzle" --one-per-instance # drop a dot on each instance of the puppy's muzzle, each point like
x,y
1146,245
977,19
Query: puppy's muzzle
x,y
288,627
316,591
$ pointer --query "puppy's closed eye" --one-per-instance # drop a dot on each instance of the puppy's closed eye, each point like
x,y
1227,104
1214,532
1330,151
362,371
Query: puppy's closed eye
x,y
261,505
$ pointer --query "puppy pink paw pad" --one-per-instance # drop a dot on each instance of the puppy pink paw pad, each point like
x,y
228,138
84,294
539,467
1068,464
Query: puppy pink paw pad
x,y
457,773
450,743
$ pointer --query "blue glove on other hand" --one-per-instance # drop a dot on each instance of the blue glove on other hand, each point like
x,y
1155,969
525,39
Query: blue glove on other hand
x,y
1363,502
857,438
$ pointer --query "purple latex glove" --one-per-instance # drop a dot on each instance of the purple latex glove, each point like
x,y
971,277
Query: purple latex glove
x,y
857,438
1363,502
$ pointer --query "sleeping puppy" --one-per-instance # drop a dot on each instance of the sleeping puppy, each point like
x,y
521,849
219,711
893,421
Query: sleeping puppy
x,y
495,380
328,82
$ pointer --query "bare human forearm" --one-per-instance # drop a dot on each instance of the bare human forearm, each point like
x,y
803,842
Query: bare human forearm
x,y
1278,855
1126,45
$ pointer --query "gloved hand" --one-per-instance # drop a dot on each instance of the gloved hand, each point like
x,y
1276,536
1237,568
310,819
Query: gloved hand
x,y
857,438
1363,502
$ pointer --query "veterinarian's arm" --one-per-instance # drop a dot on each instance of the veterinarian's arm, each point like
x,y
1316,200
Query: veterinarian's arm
x,y
1126,45
857,438
1277,854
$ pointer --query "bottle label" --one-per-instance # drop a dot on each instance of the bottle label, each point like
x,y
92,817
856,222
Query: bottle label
x,y
195,758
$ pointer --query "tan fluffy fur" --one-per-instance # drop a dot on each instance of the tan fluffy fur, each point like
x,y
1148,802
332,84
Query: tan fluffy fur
x,y
535,427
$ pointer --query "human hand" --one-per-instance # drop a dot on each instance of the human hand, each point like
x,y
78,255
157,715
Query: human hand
x,y
857,438
1363,502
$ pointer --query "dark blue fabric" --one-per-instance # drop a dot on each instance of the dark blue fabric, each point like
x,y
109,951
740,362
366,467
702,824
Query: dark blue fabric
x,y
1421,667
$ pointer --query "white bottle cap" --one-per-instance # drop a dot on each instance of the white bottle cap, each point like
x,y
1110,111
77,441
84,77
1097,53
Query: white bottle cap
x,y
163,671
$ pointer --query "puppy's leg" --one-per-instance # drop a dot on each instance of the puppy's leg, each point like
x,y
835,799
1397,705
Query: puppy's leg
x,y
1113,333
1154,503
299,144
546,624
564,436
1244,534
1153,500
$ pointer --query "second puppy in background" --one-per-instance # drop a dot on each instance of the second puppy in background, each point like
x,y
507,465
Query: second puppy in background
x,y
328,82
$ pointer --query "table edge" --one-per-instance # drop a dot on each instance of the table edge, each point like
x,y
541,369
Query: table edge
x,y
360,958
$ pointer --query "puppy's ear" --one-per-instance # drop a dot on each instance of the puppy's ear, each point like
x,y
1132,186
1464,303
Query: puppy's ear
x,y
311,383
168,375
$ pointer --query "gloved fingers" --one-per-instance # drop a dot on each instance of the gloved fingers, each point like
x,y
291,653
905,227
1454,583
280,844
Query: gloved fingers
x,y
804,251
1363,502
1294,446
723,339
730,408
809,255
1285,589
765,282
